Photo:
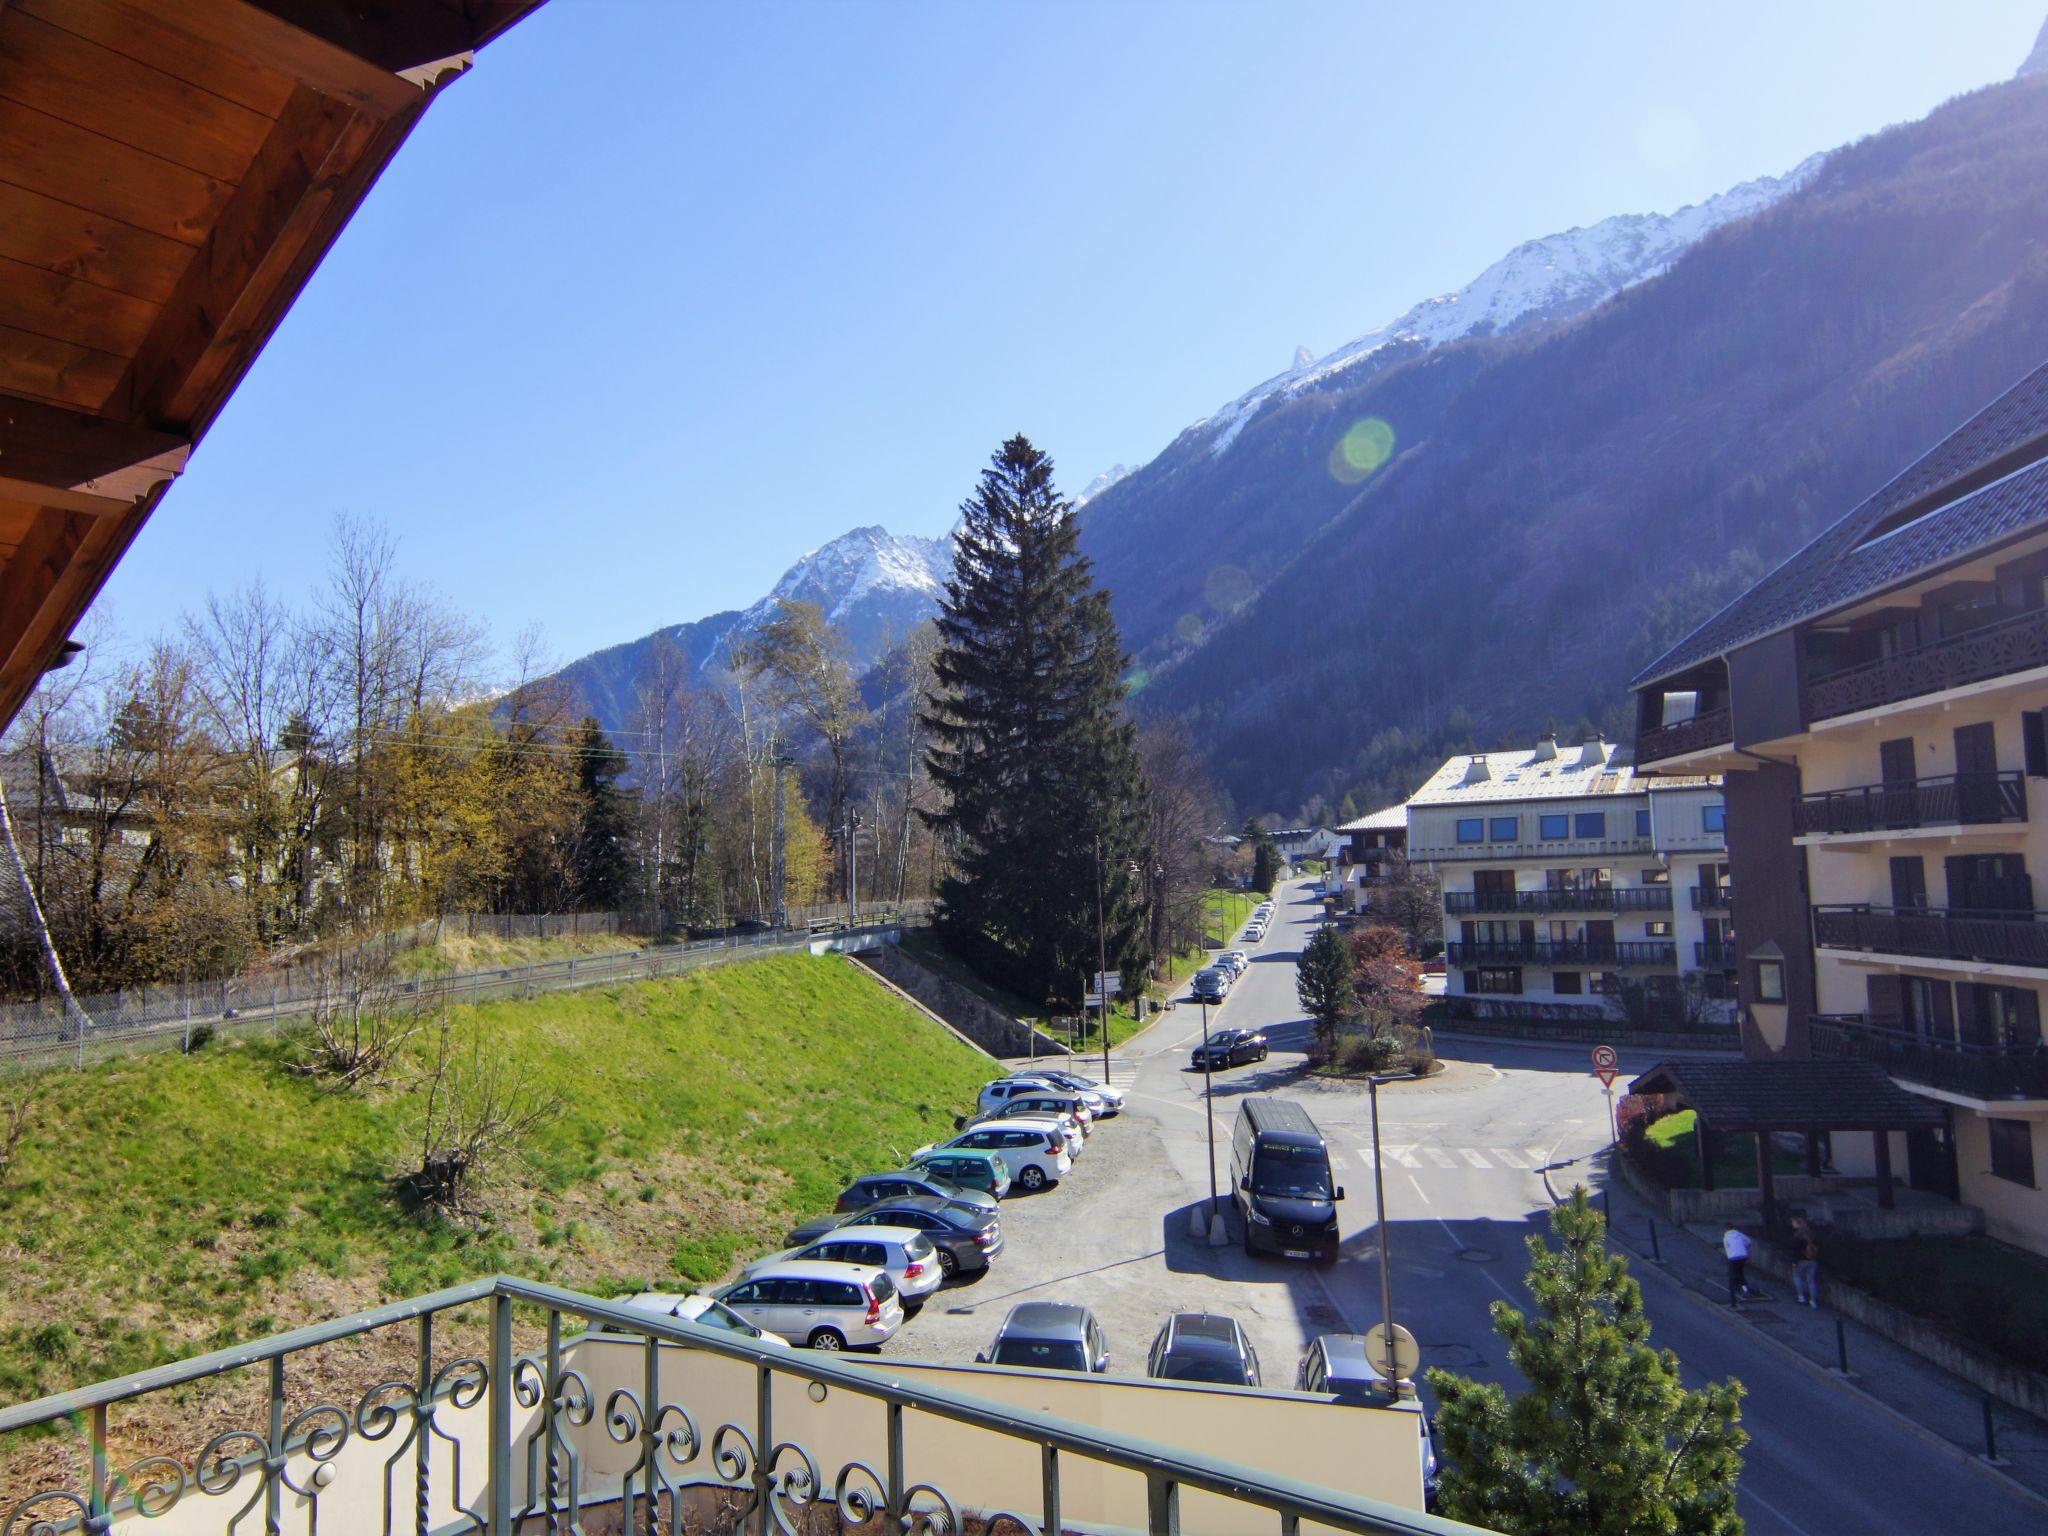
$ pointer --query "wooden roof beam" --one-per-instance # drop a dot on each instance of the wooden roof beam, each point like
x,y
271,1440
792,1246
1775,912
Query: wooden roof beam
x,y
85,463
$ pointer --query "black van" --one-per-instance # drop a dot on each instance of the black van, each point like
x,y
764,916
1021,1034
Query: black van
x,y
1282,1183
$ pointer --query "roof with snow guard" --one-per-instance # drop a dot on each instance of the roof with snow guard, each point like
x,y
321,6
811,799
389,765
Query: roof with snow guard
x,y
1985,483
1547,772
1388,818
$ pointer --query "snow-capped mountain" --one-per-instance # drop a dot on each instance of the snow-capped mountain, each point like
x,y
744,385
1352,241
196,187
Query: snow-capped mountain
x,y
1537,282
876,586
1101,483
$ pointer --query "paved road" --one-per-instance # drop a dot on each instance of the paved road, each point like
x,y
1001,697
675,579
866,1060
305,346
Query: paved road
x,y
1464,1159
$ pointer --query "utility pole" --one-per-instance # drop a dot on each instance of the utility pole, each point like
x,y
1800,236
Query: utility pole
x,y
1101,958
853,828
1379,1188
777,856
1209,1108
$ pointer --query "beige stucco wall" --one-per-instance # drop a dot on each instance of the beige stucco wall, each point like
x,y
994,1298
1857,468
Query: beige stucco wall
x,y
2012,1212
1369,1452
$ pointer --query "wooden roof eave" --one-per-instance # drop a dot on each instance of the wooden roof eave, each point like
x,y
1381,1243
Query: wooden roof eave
x,y
82,482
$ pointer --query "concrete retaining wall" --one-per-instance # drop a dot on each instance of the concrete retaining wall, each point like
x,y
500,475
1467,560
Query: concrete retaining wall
x,y
972,1016
1827,1202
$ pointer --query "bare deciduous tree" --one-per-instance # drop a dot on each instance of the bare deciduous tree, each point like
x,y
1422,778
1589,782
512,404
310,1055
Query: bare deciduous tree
x,y
476,1114
359,1021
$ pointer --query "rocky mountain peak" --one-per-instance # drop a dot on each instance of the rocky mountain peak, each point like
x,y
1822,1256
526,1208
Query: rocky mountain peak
x,y
2037,61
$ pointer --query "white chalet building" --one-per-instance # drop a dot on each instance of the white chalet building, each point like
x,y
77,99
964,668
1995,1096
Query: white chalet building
x,y
1566,876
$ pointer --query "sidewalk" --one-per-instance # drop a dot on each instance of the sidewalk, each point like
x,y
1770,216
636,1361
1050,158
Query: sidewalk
x,y
1937,1405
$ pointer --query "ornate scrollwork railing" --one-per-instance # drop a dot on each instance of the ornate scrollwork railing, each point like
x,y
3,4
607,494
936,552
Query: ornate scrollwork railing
x,y
532,1427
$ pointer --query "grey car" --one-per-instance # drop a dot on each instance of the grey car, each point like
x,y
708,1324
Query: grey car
x,y
1204,1346
873,1188
966,1236
1050,1336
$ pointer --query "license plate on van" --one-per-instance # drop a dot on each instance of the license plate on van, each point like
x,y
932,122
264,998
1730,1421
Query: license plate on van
x,y
1295,1253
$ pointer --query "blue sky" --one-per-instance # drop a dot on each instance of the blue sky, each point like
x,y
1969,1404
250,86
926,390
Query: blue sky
x,y
665,294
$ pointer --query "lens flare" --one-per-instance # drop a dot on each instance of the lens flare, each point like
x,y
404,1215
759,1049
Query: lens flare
x,y
1227,589
1363,448
1187,628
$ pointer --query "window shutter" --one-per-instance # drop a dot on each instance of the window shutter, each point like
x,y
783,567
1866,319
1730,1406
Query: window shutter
x,y
2034,732
1883,1000
1971,1025
1944,1010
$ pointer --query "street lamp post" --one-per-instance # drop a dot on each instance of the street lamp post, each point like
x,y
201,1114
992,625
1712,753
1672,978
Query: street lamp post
x,y
1209,1109
1379,1190
1101,959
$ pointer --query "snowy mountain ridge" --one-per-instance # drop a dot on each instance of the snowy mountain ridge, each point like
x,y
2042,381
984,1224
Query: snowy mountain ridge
x,y
1542,280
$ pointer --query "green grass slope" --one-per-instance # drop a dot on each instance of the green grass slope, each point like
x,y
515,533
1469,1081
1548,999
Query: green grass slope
x,y
173,1204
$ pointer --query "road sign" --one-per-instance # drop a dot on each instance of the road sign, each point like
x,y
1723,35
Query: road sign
x,y
1606,1076
1407,1353
1604,1057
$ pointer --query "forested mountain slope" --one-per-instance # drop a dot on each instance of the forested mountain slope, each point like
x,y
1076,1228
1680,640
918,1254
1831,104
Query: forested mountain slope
x,y
1558,504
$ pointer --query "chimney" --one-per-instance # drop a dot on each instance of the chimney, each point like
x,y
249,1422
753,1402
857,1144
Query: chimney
x,y
1546,746
1476,771
1594,754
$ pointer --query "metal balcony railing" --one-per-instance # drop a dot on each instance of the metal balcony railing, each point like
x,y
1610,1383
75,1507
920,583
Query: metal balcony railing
x,y
1708,728
1991,935
1589,898
1978,1071
595,1423
1712,898
2017,644
1962,799
1565,952
1712,956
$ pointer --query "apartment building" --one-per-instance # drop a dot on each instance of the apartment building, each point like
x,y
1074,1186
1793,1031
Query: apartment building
x,y
1876,706
1373,851
1566,877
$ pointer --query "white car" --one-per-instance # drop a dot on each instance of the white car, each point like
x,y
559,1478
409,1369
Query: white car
x,y
1254,932
705,1311
1034,1151
1037,1099
1072,1136
823,1306
906,1253
1236,959
1111,1099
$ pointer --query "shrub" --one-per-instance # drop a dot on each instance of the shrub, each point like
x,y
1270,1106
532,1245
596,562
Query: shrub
x,y
1373,1053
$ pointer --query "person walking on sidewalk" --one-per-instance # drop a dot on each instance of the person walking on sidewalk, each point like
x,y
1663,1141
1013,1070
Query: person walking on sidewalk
x,y
1735,1244
1806,1265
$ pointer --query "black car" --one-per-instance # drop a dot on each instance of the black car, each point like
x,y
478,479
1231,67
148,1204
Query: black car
x,y
872,1188
1230,1048
966,1236
1206,1347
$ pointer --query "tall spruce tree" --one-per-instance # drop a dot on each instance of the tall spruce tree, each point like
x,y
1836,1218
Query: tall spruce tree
x,y
1029,744
599,862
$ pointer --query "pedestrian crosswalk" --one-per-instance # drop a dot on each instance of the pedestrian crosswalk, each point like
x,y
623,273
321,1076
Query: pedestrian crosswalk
x,y
1418,1155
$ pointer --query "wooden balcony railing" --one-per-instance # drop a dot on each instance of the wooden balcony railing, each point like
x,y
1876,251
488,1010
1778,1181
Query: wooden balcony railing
x,y
1978,1070
2017,644
1990,935
1708,728
1712,898
1713,956
1958,799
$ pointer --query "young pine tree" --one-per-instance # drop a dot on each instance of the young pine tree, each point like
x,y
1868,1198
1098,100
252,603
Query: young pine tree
x,y
1323,982
1029,745
1606,1441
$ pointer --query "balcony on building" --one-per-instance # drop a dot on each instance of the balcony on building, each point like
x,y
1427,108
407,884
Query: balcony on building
x,y
1986,1071
1988,933
1684,716
505,1406
1718,897
1974,630
1562,952
1714,954
1581,898
1938,803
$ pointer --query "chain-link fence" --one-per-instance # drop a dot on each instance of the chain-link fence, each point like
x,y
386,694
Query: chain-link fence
x,y
44,1034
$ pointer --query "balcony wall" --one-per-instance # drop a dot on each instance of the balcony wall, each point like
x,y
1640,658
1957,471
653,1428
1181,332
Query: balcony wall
x,y
1708,728
1974,1071
1562,952
1599,898
2018,644
1935,933
1971,799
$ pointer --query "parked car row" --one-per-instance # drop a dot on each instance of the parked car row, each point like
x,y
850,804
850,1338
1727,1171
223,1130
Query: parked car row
x,y
852,1278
